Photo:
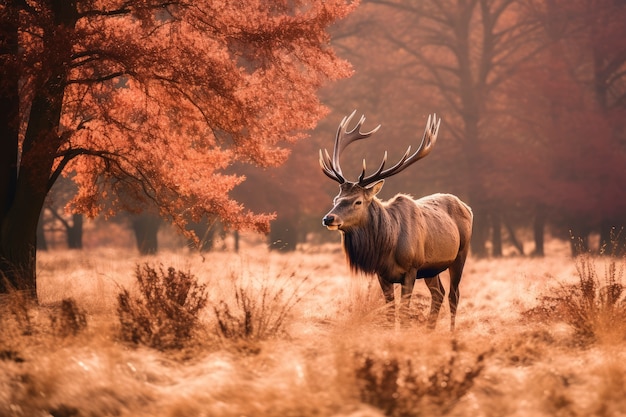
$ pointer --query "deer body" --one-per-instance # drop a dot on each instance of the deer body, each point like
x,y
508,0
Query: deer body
x,y
402,239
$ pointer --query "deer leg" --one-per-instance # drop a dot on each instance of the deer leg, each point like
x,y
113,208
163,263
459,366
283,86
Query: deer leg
x,y
387,288
455,279
437,293
408,282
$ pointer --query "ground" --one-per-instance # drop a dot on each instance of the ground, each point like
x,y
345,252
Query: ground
x,y
333,354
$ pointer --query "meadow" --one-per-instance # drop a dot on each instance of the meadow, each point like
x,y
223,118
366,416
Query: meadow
x,y
270,334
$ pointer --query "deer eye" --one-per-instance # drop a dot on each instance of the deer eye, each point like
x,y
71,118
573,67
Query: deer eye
x,y
358,203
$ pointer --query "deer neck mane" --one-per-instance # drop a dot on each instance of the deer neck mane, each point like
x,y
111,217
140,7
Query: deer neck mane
x,y
367,246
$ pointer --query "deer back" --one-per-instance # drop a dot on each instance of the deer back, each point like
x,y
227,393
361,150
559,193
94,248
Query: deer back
x,y
403,233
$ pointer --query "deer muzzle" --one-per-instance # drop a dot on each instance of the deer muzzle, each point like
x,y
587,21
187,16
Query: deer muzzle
x,y
330,221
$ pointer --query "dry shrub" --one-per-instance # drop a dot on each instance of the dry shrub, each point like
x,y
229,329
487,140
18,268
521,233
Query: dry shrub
x,y
255,314
166,310
595,306
399,389
17,305
15,323
69,319
528,347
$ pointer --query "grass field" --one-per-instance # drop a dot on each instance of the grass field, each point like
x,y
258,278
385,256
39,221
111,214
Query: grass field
x,y
296,335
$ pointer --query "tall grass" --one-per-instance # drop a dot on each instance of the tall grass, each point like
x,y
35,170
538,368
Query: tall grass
x,y
257,313
594,306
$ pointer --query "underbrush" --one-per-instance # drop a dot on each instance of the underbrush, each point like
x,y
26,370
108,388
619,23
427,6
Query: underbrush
x,y
165,311
595,306
68,319
167,307
403,387
257,313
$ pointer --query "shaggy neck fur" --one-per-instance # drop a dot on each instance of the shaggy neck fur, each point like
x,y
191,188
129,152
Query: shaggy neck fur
x,y
363,244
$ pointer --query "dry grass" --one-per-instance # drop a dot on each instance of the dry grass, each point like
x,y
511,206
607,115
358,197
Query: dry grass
x,y
256,314
314,343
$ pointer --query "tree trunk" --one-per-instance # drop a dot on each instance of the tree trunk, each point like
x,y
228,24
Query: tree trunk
x,y
75,232
538,230
9,127
283,235
19,225
514,241
9,110
42,244
146,228
480,234
496,233
23,196
579,241
236,238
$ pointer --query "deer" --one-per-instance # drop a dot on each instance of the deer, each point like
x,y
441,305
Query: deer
x,y
402,239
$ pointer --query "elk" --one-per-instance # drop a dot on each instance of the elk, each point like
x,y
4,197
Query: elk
x,y
402,239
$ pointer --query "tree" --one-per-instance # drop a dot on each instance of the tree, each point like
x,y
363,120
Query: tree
x,y
155,97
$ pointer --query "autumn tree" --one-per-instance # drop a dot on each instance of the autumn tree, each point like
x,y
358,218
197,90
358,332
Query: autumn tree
x,y
155,98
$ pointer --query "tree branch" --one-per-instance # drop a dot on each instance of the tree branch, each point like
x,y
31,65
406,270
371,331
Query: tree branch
x,y
59,217
98,79
71,154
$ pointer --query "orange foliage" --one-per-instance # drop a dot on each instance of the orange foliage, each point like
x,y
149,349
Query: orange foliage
x,y
160,97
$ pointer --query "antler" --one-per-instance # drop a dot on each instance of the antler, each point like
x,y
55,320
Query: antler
x,y
333,170
428,140
344,137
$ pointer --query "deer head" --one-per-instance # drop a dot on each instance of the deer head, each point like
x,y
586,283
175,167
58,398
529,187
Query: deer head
x,y
352,203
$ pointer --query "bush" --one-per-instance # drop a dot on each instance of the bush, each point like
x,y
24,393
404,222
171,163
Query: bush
x,y
166,310
255,314
595,306
18,305
69,319
399,389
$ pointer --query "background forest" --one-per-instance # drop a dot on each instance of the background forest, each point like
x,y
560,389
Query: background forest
x,y
532,96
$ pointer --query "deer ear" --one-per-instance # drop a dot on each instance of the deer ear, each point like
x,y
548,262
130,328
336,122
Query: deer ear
x,y
376,187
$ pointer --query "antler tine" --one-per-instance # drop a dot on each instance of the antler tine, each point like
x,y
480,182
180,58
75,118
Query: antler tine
x,y
328,169
345,137
428,140
332,168
378,171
